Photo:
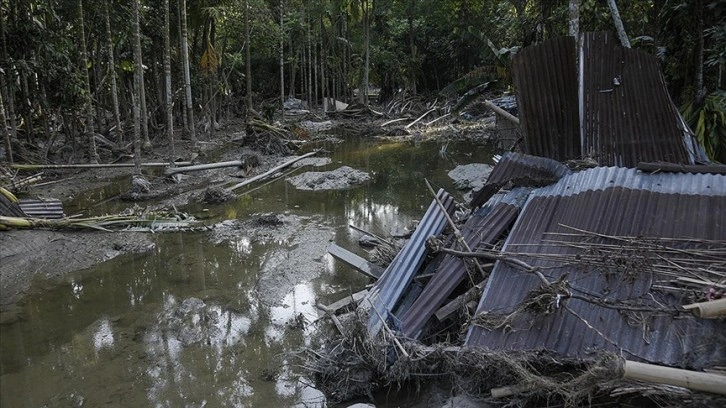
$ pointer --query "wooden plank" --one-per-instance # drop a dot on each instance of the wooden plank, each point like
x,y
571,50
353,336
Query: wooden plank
x,y
340,304
355,261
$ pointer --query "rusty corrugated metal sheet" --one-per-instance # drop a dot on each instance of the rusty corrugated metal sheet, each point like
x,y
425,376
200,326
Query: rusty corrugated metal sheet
x,y
387,291
521,170
613,202
613,105
628,114
483,228
545,77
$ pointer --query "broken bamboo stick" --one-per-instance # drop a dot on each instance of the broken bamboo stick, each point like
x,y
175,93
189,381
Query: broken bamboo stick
x,y
489,104
271,171
699,381
234,163
708,310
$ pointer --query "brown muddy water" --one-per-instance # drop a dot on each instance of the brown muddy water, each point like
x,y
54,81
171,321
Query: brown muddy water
x,y
206,319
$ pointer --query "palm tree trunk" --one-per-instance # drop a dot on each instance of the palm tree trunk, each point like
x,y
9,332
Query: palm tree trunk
x,y
90,131
112,72
366,69
6,133
167,85
282,54
138,60
248,59
187,80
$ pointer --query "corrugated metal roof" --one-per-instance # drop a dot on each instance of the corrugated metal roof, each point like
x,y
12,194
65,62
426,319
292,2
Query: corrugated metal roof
x,y
613,202
619,114
522,170
387,291
483,228
546,81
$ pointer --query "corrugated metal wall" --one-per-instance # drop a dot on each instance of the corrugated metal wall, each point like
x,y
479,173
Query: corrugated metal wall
x,y
629,116
546,81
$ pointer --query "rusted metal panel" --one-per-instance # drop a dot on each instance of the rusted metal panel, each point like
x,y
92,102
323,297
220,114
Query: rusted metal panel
x,y
521,170
612,105
628,114
609,202
545,77
483,228
387,291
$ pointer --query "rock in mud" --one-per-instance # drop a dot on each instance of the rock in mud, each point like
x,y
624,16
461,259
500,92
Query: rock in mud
x,y
340,178
470,176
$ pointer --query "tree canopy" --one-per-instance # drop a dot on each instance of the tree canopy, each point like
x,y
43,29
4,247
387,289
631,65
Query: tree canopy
x,y
55,84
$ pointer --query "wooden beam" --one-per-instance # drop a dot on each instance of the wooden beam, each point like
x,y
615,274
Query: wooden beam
x,y
369,269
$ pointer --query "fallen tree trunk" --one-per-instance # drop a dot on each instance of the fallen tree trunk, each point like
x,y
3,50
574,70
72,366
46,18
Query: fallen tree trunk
x,y
271,171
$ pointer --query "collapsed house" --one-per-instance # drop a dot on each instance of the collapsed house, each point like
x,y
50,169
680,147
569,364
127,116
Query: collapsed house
x,y
605,233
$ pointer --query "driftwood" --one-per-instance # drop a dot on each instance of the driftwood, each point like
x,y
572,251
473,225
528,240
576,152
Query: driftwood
x,y
419,118
393,121
271,171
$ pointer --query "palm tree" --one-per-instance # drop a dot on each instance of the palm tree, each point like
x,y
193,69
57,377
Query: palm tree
x,y
112,72
167,85
187,80
90,131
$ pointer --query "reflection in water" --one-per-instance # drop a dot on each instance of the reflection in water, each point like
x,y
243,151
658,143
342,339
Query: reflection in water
x,y
197,324
103,337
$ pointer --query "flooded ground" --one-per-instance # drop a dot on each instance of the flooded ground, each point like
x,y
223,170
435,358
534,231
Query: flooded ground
x,y
206,318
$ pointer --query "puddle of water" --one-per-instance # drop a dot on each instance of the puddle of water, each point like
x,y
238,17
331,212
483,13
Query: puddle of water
x,y
205,322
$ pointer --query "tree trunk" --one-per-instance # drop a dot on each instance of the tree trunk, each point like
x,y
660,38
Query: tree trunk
x,y
90,131
323,58
138,61
6,134
618,23
366,69
574,27
112,73
248,59
187,80
309,66
137,126
700,91
167,85
412,46
282,55
6,85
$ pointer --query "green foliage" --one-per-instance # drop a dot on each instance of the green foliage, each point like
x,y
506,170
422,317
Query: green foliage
x,y
708,121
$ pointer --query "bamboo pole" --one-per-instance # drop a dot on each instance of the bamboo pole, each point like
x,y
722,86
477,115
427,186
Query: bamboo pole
x,y
393,121
271,171
198,167
708,310
699,381
90,166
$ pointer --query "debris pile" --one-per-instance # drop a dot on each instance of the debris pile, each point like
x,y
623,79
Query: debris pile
x,y
565,283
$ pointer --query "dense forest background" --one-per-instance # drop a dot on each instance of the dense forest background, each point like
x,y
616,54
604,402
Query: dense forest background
x,y
76,73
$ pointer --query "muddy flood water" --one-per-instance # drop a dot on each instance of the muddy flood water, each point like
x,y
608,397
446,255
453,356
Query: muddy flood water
x,y
206,318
